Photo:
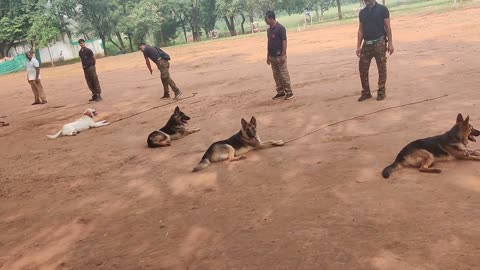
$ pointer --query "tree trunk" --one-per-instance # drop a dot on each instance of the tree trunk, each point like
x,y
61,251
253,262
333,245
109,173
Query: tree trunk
x,y
230,25
102,37
162,38
120,40
130,42
250,15
339,6
316,14
241,25
321,15
49,53
383,2
115,44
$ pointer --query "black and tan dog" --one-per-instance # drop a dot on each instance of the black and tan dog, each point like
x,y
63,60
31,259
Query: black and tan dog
x,y
448,146
173,130
233,148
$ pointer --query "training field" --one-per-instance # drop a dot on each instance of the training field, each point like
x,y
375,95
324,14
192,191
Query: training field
x,y
103,200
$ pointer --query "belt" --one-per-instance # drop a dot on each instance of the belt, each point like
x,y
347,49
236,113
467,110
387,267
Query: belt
x,y
161,59
373,41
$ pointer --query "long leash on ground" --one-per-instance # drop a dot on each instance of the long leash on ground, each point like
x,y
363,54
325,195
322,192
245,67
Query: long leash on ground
x,y
153,108
363,115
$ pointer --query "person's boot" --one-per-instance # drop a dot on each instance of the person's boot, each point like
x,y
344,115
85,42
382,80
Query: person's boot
x,y
177,94
365,95
381,96
94,96
98,97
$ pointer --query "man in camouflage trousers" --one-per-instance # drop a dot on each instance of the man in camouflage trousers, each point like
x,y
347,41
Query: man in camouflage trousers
x,y
376,34
161,59
277,56
88,63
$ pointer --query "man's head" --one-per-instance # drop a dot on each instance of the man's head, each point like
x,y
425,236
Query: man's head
x,y
142,46
270,18
81,42
29,55
369,3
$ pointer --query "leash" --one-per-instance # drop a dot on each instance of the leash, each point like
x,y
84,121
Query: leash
x,y
153,108
367,114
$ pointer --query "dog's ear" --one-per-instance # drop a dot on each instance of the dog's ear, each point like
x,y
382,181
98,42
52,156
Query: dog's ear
x,y
459,118
244,123
177,110
253,121
467,121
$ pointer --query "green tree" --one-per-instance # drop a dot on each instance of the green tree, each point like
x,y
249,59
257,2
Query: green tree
x,y
228,9
14,23
44,27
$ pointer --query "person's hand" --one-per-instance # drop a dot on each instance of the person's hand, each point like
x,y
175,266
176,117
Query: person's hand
x,y
268,61
37,80
390,48
283,59
359,51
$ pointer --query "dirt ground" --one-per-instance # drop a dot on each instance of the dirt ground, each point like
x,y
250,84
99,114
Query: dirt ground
x,y
103,200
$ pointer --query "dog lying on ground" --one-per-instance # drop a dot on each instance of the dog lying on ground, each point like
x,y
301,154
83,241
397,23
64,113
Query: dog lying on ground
x,y
448,146
173,130
85,122
233,148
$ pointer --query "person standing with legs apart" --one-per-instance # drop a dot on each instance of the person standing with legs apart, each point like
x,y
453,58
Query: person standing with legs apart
x,y
375,32
277,56
33,78
88,64
162,59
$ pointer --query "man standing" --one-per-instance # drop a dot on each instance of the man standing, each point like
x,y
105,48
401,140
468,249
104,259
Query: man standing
x,y
277,56
88,64
33,78
162,59
376,34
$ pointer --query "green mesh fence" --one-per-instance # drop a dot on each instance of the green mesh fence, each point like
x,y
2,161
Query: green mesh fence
x,y
18,63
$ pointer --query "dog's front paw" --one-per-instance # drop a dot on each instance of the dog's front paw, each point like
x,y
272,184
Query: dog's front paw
x,y
279,143
238,158
195,130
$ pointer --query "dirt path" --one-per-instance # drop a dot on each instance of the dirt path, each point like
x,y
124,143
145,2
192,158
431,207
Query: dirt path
x,y
103,200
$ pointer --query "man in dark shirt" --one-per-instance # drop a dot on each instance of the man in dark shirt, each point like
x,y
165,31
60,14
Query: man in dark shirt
x,y
376,34
88,64
162,59
277,56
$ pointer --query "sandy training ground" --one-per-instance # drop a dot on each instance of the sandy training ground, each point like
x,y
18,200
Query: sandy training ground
x,y
103,200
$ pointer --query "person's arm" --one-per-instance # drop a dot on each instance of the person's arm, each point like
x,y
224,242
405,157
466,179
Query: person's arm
x,y
359,39
388,30
268,55
147,61
284,45
92,55
37,69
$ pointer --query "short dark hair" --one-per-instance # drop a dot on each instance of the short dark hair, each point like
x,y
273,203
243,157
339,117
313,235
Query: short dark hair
x,y
81,40
141,44
270,14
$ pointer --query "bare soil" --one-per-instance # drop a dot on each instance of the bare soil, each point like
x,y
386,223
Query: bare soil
x,y
103,200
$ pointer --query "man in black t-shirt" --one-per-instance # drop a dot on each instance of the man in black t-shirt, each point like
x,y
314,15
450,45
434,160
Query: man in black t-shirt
x,y
277,56
162,59
88,64
376,34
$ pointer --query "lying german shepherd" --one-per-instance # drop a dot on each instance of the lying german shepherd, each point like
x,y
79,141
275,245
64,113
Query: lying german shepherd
x,y
233,148
173,130
450,145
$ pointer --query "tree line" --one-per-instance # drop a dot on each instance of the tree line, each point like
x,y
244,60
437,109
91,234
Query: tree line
x,y
125,23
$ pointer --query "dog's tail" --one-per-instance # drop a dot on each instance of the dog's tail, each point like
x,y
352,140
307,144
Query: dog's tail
x,y
55,135
390,169
204,163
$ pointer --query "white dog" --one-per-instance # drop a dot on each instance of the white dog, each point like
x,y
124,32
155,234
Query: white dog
x,y
85,122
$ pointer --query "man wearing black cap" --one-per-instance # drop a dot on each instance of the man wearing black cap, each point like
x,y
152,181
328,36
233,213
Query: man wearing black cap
x,y
376,34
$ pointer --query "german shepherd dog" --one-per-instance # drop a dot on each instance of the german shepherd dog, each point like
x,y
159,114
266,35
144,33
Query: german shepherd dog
x,y
232,149
173,130
448,146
